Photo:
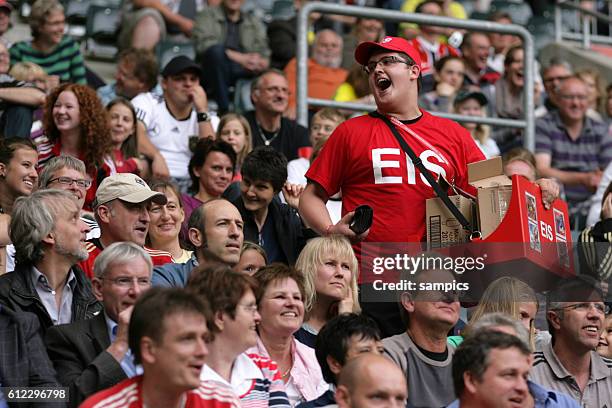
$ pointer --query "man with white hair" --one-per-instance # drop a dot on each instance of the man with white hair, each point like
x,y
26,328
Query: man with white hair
x,y
91,355
324,72
49,239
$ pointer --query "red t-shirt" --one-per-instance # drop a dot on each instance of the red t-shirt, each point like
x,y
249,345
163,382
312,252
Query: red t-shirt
x,y
364,160
428,58
128,165
128,394
95,248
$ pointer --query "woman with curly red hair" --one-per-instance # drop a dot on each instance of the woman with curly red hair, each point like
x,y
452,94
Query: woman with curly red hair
x,y
75,124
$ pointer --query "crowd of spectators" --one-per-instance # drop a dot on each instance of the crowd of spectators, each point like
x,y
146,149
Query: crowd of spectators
x,y
163,246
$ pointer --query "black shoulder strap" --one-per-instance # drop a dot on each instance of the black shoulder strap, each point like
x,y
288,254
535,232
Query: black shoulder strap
x,y
418,163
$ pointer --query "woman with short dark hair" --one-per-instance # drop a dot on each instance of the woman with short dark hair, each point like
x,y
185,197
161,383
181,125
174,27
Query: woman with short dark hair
x,y
255,379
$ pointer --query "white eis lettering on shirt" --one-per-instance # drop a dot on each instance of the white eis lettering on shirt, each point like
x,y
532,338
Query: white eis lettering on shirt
x,y
378,164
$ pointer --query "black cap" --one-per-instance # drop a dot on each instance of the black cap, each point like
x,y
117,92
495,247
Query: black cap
x,y
180,64
465,94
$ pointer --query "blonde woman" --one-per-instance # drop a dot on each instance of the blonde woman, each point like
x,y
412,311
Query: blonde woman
x,y
510,296
330,271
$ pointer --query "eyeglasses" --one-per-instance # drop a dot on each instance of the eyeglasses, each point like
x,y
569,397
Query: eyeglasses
x,y
249,308
125,282
276,89
600,308
385,61
553,79
571,97
83,183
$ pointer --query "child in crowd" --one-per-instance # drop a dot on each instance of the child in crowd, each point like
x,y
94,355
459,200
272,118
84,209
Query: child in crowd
x,y
604,348
323,123
235,130
472,103
34,74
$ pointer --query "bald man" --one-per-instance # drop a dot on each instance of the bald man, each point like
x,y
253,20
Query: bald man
x,y
216,232
371,380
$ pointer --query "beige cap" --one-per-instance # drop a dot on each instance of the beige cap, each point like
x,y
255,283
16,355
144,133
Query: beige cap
x,y
127,187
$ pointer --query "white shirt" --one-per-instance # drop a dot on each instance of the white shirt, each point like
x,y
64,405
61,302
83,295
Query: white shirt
x,y
169,135
244,371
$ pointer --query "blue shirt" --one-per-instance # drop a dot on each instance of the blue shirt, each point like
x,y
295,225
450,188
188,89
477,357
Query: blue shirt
x,y
542,397
127,364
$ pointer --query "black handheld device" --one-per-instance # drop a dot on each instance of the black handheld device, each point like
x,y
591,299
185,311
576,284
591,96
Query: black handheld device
x,y
362,220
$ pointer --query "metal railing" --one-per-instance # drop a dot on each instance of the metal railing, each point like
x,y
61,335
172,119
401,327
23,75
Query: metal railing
x,y
366,12
588,22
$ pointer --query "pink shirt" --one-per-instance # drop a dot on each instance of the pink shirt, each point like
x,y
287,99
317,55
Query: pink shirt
x,y
305,375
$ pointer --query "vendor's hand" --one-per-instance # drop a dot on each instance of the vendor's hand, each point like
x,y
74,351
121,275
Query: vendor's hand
x,y
550,191
159,168
342,228
606,208
292,193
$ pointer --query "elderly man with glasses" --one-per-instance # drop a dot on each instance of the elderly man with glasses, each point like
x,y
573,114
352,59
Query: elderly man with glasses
x,y
575,311
91,355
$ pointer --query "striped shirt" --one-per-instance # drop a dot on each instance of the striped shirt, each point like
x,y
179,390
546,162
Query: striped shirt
x,y
590,151
65,61
595,250
128,394
550,373
256,381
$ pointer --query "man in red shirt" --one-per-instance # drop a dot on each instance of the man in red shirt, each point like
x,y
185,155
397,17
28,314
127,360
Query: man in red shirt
x,y
364,160
168,336
120,209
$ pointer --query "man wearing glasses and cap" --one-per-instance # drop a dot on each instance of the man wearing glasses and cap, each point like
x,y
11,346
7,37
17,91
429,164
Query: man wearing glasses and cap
x,y
364,160
170,120
120,209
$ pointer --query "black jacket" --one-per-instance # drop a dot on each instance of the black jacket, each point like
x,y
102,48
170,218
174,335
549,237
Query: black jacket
x,y
78,352
291,235
23,359
17,293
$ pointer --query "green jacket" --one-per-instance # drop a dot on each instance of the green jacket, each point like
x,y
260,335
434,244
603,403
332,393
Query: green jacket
x,y
210,28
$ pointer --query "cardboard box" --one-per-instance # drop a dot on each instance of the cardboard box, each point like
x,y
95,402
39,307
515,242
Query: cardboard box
x,y
494,193
520,237
443,229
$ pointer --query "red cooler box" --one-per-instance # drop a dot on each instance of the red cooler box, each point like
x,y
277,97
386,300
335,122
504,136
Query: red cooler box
x,y
519,235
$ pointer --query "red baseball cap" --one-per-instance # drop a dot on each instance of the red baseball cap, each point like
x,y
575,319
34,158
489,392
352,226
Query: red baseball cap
x,y
365,49
5,4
